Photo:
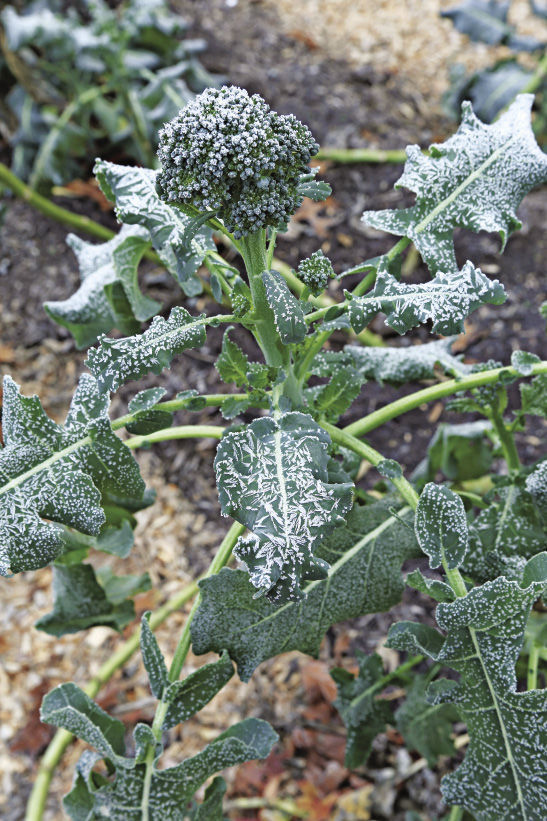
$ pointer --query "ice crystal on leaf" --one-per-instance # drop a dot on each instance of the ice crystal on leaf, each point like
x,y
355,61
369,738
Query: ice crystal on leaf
x,y
272,477
476,180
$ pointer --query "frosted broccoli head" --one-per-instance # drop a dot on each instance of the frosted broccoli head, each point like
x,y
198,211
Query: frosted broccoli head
x,y
315,272
230,153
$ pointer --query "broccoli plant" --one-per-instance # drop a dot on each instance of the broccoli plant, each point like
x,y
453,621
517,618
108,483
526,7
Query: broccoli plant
x,y
312,549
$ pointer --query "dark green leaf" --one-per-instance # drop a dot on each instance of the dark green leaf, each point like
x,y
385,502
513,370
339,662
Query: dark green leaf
x,y
482,20
440,591
287,310
232,364
365,577
211,807
426,727
187,697
231,408
476,179
272,477
460,452
333,399
493,89
441,526
363,714
116,361
316,190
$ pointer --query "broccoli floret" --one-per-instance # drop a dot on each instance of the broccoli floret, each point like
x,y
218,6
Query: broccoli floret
x,y
229,152
315,272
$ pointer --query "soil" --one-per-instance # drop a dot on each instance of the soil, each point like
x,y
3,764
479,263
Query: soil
x,y
346,102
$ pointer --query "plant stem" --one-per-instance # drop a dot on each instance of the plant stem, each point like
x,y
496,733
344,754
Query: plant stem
x,y
456,813
533,663
62,738
414,400
374,457
181,432
507,440
345,156
171,405
221,559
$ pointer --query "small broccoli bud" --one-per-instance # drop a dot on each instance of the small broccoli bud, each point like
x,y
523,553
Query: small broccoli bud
x,y
486,395
315,272
230,153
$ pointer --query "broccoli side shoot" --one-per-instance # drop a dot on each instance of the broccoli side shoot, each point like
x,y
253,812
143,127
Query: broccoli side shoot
x,y
230,153
315,272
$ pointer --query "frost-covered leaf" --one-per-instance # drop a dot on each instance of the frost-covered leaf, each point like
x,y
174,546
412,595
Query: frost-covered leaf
x,y
506,533
187,697
116,361
88,312
534,396
503,775
81,601
524,362
69,707
233,407
441,526
365,555
272,477
445,301
137,203
59,473
536,485
395,365
232,364
316,190
211,807
152,657
363,714
426,727
286,308
476,179
147,418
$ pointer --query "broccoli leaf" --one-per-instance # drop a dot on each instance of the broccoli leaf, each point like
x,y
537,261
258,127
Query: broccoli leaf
x,y
186,697
447,300
171,789
365,555
232,364
363,714
426,727
116,361
441,526
137,203
82,601
333,399
534,396
393,365
272,477
60,473
88,312
491,90
211,807
460,451
476,179
503,773
152,657
482,20
287,310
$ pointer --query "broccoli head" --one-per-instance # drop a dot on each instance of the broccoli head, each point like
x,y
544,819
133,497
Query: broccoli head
x,y
315,272
228,152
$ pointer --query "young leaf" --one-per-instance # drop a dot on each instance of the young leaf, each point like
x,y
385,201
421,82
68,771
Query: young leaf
x,y
232,364
316,190
272,477
363,714
426,727
232,407
476,179
446,301
147,418
524,362
365,555
394,365
58,473
503,773
137,203
534,396
441,526
80,602
116,361
152,657
187,697
333,399
287,310
440,591
88,312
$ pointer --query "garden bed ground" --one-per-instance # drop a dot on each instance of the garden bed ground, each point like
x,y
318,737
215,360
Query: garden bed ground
x,y
386,94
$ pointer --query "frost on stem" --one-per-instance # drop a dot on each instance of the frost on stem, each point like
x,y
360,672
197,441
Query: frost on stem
x,y
228,152
315,272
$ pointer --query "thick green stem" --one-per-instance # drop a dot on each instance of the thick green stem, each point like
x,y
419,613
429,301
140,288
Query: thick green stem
x,y
181,432
507,440
345,156
371,455
533,663
253,250
221,559
456,813
414,400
